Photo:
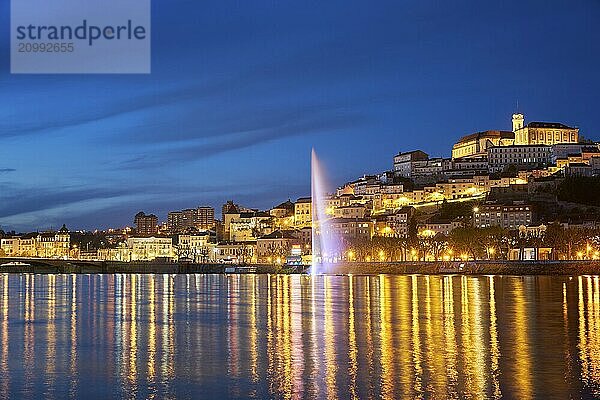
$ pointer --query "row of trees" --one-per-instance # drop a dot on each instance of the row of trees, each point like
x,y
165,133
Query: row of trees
x,y
477,244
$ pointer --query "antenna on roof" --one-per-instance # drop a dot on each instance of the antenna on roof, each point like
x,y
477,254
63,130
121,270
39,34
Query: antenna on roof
x,y
517,106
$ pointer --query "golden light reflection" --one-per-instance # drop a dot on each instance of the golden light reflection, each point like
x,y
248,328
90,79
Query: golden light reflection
x,y
29,332
451,353
416,338
385,338
133,353
443,337
330,362
494,348
589,331
369,344
297,358
51,332
352,349
478,349
434,334
253,330
522,350
4,367
73,359
151,334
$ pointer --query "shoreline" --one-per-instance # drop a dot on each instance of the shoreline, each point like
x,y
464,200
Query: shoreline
x,y
55,266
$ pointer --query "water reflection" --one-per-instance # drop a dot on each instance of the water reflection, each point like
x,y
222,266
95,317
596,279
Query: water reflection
x,y
289,337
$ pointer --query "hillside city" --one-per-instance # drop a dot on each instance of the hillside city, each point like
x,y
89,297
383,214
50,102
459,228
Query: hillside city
x,y
532,193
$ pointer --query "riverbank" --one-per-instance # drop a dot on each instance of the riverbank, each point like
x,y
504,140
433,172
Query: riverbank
x,y
48,266
582,267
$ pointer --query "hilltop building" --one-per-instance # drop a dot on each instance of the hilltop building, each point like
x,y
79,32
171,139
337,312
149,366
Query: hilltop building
x,y
477,144
548,133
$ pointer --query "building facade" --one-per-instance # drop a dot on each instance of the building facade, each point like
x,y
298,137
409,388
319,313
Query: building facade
x,y
404,163
150,248
507,216
521,156
303,212
201,218
43,245
547,133
275,247
146,224
476,144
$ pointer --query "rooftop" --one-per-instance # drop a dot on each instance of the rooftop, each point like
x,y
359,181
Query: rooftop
x,y
286,234
487,135
553,125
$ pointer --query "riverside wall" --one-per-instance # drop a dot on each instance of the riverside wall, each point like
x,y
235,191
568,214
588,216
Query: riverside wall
x,y
587,267
42,266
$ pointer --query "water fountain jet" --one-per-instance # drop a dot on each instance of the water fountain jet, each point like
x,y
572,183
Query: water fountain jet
x,y
324,246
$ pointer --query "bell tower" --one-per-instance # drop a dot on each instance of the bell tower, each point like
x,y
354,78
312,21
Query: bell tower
x,y
517,119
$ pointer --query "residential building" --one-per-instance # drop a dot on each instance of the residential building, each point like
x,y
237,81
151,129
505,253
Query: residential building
x,y
119,253
579,170
303,212
428,171
404,163
433,226
350,211
283,210
393,224
193,246
201,218
457,188
507,216
348,229
520,156
276,246
465,167
239,252
247,226
392,188
562,150
146,225
150,248
283,215
205,218
44,245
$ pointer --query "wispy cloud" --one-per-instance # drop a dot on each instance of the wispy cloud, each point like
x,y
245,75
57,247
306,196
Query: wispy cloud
x,y
6,170
327,121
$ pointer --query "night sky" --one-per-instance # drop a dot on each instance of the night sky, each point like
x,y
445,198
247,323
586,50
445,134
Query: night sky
x,y
241,91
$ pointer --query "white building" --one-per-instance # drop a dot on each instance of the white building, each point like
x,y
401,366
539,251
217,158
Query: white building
x,y
521,156
150,248
505,216
404,163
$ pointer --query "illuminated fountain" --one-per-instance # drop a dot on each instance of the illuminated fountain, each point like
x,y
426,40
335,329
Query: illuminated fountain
x,y
325,247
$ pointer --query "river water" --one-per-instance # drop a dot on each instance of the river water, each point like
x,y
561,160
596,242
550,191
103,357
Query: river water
x,y
281,336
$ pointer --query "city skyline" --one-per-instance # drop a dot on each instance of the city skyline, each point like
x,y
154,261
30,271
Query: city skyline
x,y
163,216
351,81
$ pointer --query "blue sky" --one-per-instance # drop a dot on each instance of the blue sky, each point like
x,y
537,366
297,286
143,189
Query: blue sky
x,y
241,90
